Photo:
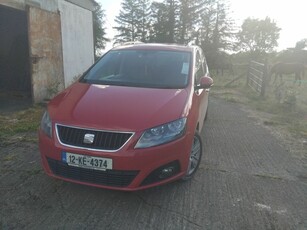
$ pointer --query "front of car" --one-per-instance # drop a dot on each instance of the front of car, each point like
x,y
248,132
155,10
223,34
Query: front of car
x,y
126,124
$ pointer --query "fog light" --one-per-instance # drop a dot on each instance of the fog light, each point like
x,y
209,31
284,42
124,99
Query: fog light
x,y
162,173
166,172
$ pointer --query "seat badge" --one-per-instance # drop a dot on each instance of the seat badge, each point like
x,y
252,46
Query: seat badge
x,y
88,138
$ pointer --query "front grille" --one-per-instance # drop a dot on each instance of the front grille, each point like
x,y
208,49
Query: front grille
x,y
116,178
103,140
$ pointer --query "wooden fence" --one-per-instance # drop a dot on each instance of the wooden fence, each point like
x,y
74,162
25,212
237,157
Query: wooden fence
x,y
257,76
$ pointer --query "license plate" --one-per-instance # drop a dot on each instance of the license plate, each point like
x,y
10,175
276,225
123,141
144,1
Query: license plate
x,y
85,161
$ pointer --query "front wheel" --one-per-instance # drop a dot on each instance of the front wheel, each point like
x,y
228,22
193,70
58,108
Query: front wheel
x,y
195,156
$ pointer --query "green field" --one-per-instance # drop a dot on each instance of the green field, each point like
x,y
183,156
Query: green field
x,y
284,105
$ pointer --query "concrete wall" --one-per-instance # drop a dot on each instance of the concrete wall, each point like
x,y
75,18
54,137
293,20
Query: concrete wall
x,y
46,53
77,40
76,33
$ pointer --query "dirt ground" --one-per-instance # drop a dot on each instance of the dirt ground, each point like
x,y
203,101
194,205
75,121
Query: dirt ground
x,y
11,101
248,179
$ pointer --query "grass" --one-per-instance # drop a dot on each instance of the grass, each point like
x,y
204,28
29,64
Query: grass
x,y
268,176
9,158
14,125
34,171
288,112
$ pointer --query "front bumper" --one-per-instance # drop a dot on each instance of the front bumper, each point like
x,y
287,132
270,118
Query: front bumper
x,y
133,169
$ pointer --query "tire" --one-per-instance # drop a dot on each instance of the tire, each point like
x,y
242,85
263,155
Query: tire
x,y
195,156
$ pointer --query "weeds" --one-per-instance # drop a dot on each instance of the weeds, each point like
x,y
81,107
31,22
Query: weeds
x,y
13,126
269,176
53,89
34,171
285,103
9,158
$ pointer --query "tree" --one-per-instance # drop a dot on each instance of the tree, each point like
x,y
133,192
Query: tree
x,y
164,21
301,44
144,13
206,23
159,18
176,21
133,21
215,29
127,22
188,17
171,23
100,38
258,36
300,52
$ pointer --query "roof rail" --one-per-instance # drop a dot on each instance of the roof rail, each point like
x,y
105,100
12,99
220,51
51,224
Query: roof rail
x,y
116,44
132,43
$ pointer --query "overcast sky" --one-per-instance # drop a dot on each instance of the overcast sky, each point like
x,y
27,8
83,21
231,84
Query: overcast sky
x,y
290,16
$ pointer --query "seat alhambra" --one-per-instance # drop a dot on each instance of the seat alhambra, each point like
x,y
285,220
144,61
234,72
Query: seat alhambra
x,y
132,121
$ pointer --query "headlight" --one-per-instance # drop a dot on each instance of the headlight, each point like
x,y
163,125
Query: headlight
x,y
46,124
162,134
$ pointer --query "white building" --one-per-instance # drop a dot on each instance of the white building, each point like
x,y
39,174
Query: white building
x,y
44,45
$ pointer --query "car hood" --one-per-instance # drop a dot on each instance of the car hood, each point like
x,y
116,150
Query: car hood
x,y
117,107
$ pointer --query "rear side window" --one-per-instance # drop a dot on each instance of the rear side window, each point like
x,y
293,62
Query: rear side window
x,y
199,67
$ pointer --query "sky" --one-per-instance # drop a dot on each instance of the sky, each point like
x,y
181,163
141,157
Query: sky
x,y
290,16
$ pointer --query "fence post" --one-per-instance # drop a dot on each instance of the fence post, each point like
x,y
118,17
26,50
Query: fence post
x,y
248,72
264,78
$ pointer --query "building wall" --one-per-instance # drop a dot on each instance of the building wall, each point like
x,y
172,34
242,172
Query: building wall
x,y
77,40
89,5
46,53
49,5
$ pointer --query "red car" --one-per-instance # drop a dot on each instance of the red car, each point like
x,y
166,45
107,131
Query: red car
x,y
132,121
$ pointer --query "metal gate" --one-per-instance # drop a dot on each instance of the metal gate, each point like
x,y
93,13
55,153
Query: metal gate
x,y
257,76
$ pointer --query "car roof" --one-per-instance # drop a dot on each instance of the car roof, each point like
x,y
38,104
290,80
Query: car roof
x,y
154,46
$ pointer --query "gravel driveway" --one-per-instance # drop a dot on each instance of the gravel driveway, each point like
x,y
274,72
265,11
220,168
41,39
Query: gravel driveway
x,y
246,180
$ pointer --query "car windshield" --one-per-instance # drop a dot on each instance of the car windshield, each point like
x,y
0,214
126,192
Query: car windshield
x,y
141,68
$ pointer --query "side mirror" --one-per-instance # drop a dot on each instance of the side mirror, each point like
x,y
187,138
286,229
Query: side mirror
x,y
205,82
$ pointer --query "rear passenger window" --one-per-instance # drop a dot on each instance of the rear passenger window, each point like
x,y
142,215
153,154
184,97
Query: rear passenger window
x,y
199,67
